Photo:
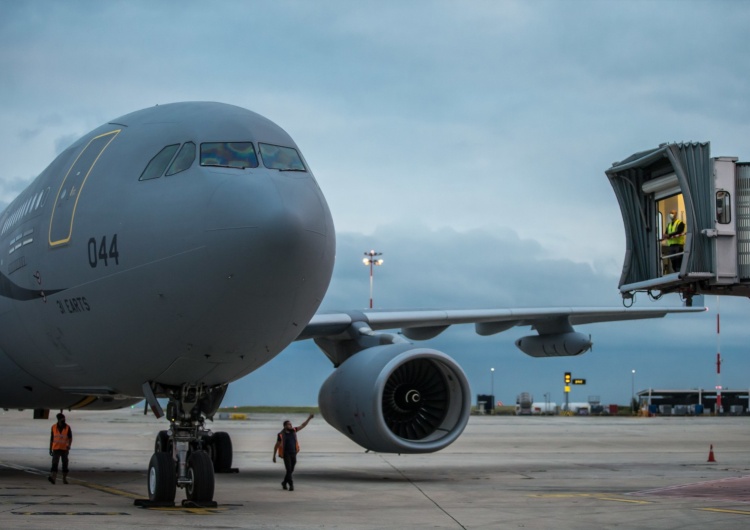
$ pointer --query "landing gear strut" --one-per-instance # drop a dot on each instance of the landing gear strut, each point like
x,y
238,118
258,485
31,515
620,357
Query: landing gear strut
x,y
187,454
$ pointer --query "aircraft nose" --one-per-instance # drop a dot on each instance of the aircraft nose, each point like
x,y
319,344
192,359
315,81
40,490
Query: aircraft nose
x,y
303,205
268,203
275,232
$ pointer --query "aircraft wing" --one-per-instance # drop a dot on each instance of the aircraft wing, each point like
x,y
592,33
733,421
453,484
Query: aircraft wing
x,y
390,395
343,334
486,321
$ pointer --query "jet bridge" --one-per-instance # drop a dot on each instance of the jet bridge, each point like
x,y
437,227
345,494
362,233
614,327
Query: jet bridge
x,y
712,198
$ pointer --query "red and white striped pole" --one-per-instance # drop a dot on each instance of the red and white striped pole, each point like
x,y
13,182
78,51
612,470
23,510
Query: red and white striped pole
x,y
718,356
370,284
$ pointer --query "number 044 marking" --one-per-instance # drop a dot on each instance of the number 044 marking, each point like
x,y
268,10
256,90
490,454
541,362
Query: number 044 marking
x,y
100,252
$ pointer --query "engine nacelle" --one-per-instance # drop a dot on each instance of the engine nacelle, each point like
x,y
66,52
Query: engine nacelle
x,y
398,399
555,345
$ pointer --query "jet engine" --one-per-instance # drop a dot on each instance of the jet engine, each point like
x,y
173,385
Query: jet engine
x,y
555,344
396,398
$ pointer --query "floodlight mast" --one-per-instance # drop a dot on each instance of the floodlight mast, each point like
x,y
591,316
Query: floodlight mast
x,y
370,260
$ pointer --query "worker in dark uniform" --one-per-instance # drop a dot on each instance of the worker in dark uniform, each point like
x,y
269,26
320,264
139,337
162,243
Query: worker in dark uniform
x,y
60,440
287,447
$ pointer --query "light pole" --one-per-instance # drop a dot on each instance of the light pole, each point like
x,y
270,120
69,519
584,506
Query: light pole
x,y
370,260
632,392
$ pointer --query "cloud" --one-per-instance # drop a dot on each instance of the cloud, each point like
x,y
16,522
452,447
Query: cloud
x,y
475,268
9,189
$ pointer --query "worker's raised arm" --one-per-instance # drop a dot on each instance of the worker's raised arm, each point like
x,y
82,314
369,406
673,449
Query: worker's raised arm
x,y
304,423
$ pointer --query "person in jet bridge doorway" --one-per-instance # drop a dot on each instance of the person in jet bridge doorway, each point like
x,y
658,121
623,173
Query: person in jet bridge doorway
x,y
675,239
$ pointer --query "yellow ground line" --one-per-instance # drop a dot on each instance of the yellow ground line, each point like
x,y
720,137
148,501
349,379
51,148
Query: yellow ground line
x,y
105,489
597,496
723,510
632,501
118,492
71,513
602,497
196,511
91,485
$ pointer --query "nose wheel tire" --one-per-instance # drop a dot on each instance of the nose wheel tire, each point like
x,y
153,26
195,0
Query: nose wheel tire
x,y
162,478
200,471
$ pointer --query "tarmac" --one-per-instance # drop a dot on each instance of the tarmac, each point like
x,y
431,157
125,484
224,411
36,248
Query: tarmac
x,y
503,472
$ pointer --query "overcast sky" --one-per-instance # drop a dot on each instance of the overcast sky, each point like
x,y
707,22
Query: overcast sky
x,y
467,141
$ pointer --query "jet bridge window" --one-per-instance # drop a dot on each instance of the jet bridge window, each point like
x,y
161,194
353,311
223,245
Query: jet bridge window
x,y
281,158
159,163
723,207
229,154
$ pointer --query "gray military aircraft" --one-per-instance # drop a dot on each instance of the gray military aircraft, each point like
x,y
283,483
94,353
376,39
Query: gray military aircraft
x,y
176,249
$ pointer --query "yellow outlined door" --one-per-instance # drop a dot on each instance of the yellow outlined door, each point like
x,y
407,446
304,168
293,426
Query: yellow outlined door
x,y
66,202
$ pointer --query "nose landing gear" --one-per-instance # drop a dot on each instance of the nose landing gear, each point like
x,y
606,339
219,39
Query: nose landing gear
x,y
187,455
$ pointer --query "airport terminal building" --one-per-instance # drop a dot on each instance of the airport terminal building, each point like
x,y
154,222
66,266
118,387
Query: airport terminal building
x,y
693,401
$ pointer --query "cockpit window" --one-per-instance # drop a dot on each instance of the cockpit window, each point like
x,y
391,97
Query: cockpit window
x,y
282,158
229,154
183,160
159,163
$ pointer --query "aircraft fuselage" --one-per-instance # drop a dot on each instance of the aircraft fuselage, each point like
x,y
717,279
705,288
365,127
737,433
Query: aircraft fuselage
x,y
119,266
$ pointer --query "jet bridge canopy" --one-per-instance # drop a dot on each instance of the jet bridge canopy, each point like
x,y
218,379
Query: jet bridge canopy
x,y
711,198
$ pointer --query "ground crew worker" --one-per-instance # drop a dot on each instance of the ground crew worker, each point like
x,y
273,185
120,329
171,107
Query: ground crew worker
x,y
60,440
287,447
675,238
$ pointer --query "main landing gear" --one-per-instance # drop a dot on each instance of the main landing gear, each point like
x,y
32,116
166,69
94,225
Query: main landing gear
x,y
187,454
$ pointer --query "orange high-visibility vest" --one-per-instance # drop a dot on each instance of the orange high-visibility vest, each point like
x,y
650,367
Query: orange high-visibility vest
x,y
60,440
281,444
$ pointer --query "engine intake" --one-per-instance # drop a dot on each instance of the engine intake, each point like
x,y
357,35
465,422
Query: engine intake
x,y
398,399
